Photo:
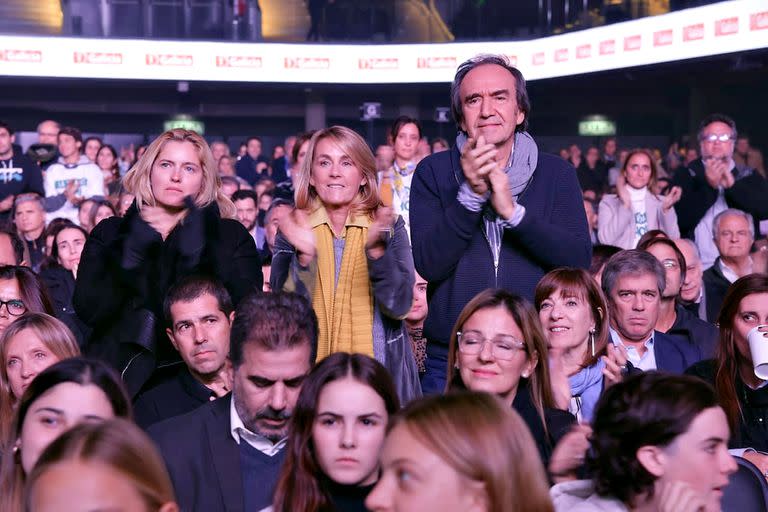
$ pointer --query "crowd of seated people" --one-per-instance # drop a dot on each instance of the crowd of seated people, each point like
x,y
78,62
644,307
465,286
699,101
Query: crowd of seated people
x,y
478,326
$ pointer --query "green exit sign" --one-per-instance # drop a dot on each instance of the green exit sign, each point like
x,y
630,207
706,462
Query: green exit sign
x,y
597,126
186,123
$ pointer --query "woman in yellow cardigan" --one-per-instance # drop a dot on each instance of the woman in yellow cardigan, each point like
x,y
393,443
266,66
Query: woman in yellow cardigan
x,y
350,255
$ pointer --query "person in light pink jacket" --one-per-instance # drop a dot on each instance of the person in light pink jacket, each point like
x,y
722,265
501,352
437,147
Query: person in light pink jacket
x,y
634,210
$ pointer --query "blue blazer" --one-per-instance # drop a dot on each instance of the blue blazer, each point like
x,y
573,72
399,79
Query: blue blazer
x,y
673,354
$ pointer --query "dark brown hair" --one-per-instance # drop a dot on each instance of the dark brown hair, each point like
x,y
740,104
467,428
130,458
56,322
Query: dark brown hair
x,y
647,244
300,139
33,293
273,321
728,359
398,124
299,486
521,92
576,282
649,409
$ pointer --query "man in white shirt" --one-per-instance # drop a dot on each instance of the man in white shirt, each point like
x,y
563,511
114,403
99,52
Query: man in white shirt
x,y
714,183
733,235
227,454
72,166
692,293
633,282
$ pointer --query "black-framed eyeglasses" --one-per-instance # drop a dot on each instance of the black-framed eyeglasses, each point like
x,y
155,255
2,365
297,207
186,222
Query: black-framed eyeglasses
x,y
503,347
15,307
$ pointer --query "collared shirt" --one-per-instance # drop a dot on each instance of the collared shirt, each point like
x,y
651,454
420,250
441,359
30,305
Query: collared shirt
x,y
645,362
238,431
731,274
703,233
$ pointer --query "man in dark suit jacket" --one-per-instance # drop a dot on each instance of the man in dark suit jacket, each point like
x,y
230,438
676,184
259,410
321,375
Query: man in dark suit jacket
x,y
734,234
226,455
633,282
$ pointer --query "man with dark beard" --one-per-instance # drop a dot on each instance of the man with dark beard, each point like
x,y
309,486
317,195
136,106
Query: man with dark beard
x,y
226,455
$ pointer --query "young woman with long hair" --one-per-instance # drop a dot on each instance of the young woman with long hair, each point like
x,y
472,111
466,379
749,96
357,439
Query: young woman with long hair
x,y
337,430
742,394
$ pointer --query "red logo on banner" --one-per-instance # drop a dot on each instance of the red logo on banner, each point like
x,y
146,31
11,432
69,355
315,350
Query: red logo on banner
x,y
169,59
584,51
98,58
662,37
436,62
561,55
238,61
379,63
21,55
693,32
608,47
307,63
727,26
538,59
758,21
632,43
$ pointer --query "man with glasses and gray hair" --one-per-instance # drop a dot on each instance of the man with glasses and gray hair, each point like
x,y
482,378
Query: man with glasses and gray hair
x,y
733,235
633,282
714,183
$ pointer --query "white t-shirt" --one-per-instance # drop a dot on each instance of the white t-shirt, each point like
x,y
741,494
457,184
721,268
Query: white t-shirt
x,y
87,174
401,200
637,195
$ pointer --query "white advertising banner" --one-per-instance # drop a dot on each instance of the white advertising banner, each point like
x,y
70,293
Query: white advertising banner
x,y
725,27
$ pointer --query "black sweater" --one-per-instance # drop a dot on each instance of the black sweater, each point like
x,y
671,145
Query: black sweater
x,y
752,431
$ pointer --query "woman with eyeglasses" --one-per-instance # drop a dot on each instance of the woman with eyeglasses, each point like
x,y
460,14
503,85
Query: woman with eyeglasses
x,y
634,209
27,347
20,291
498,346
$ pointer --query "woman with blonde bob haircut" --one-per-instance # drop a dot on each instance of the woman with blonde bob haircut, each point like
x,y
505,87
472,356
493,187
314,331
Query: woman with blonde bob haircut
x,y
137,180
28,346
461,452
108,465
349,255
498,346
179,224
